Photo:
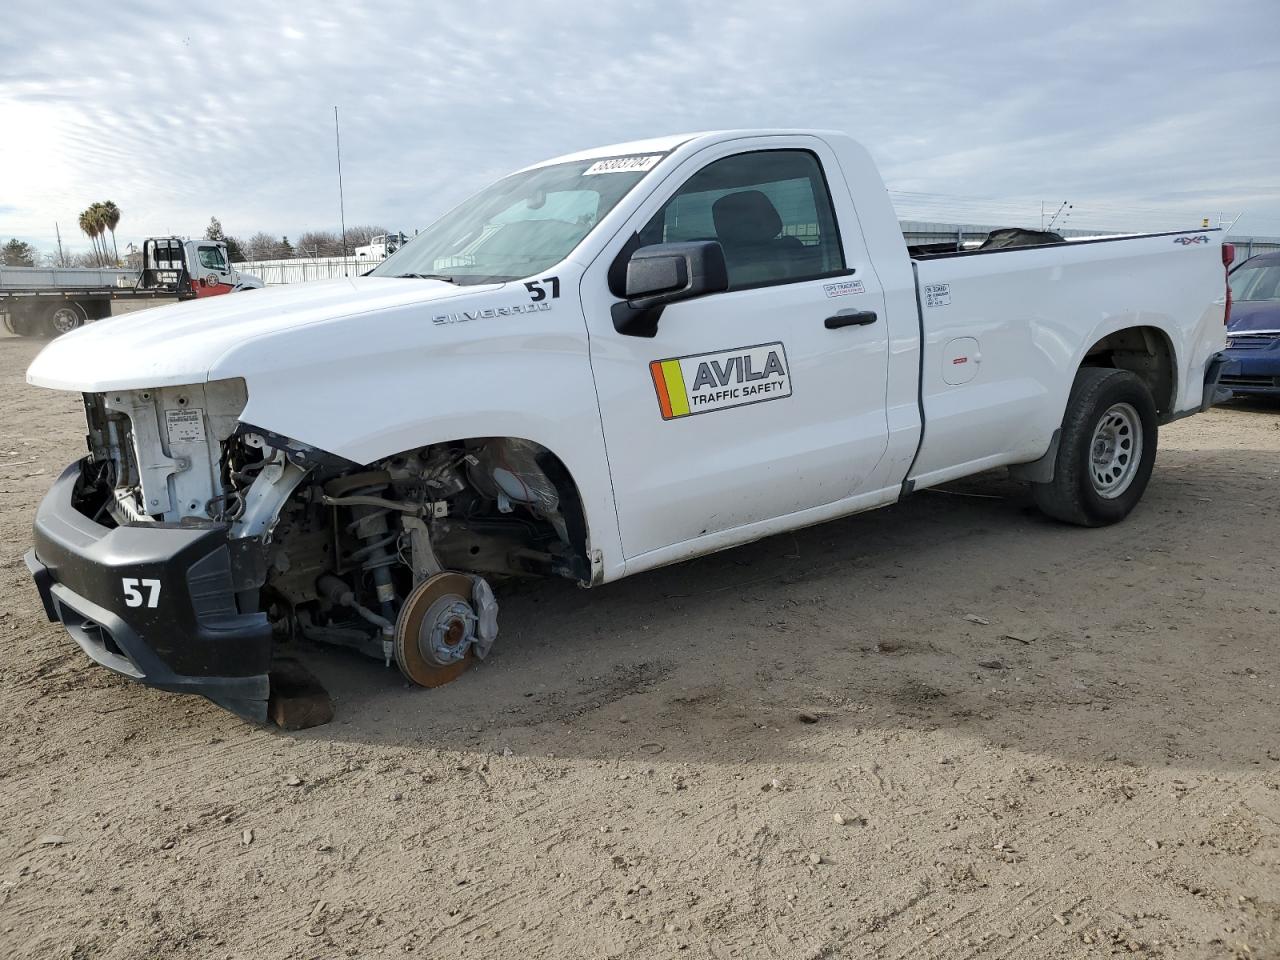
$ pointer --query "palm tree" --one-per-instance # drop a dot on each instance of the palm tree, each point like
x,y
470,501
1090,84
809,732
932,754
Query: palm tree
x,y
89,226
98,212
110,218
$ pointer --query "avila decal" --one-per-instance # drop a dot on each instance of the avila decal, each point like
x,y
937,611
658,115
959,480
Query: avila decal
x,y
705,382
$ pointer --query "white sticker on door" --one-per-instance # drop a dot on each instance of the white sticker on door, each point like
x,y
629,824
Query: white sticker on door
x,y
623,165
844,288
185,425
706,382
937,294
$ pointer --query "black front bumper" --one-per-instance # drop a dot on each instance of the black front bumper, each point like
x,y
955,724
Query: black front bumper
x,y
155,602
1220,365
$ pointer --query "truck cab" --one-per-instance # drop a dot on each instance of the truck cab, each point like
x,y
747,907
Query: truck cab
x,y
191,269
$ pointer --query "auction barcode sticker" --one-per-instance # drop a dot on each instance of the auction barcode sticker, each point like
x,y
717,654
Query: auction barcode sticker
x,y
623,165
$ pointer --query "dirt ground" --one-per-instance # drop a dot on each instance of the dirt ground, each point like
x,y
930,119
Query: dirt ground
x,y
813,746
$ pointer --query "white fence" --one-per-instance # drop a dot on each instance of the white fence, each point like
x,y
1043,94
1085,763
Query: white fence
x,y
299,270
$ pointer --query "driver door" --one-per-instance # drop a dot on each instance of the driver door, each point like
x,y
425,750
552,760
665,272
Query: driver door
x,y
745,406
210,273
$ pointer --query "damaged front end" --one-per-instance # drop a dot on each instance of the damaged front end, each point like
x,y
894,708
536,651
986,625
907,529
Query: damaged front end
x,y
188,549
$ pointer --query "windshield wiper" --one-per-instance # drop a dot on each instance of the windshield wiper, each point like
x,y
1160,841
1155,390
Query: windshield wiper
x,y
425,276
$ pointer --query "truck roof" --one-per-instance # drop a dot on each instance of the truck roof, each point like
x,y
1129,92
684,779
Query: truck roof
x,y
672,141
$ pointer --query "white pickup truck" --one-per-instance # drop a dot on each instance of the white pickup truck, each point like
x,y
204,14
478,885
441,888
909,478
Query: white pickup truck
x,y
598,365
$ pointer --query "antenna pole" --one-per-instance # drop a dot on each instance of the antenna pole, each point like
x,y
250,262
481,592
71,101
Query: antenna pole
x,y
56,229
342,204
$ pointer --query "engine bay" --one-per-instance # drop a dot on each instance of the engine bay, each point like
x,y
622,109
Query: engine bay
x,y
392,558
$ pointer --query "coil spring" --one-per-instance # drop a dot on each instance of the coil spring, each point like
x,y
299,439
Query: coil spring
x,y
372,554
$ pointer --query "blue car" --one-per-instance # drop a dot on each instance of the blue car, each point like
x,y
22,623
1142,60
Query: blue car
x,y
1253,333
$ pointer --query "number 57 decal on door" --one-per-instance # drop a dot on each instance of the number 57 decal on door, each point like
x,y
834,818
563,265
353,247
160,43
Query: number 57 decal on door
x,y
133,596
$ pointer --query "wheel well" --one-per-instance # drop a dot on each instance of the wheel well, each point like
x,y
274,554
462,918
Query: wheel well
x,y
1145,352
521,456
571,506
97,309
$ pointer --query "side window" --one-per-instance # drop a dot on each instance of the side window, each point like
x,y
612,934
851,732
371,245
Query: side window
x,y
211,259
770,210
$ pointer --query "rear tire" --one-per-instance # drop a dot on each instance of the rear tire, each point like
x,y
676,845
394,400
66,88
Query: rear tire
x,y
21,323
63,318
1106,450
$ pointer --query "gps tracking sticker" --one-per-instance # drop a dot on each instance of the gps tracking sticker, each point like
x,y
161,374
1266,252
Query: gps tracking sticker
x,y
844,288
706,382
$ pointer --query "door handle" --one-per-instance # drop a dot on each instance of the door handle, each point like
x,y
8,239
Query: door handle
x,y
850,318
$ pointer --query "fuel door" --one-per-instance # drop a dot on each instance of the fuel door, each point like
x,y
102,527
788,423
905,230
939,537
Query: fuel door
x,y
960,360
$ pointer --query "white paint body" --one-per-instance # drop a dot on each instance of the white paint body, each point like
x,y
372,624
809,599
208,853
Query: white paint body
x,y
368,367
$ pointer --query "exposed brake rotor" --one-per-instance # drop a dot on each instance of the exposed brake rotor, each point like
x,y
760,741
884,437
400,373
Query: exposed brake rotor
x,y
436,630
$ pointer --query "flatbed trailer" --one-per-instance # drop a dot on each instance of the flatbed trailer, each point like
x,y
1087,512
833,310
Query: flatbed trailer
x,y
52,312
37,301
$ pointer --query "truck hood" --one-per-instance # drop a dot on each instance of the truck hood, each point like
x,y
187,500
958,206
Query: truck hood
x,y
178,344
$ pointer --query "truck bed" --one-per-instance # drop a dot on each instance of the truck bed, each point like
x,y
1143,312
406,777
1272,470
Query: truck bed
x,y
65,278
1003,336
941,251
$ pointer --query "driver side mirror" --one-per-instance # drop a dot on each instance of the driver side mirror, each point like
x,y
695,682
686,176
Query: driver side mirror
x,y
667,273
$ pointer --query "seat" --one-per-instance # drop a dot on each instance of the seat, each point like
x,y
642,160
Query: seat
x,y
748,227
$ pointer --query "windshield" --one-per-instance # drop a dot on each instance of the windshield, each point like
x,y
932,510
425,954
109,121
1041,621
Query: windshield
x,y
521,225
1261,282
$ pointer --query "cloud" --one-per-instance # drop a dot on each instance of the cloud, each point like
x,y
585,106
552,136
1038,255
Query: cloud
x,y
1141,116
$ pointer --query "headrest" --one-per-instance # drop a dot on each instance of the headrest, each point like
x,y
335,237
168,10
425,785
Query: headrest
x,y
745,217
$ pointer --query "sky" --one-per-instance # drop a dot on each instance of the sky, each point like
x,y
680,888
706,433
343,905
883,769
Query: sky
x,y
1142,115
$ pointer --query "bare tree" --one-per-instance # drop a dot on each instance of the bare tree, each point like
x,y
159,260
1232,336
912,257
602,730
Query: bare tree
x,y
312,243
319,243
263,246
83,259
361,235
